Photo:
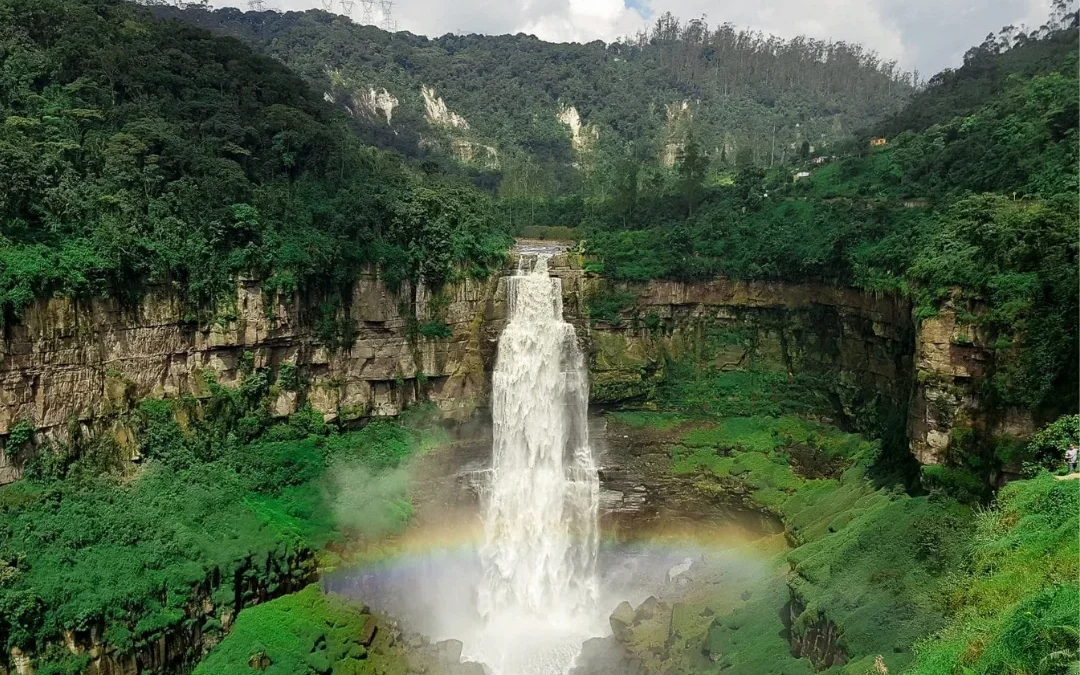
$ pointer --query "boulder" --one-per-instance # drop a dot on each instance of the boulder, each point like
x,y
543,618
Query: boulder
x,y
469,668
367,633
647,609
449,651
259,661
680,569
621,620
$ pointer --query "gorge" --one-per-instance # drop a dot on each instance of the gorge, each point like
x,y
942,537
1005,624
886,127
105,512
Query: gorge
x,y
326,350
74,368
839,355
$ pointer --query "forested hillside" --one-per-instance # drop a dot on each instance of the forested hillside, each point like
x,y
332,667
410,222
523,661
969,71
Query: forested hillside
x,y
748,98
975,206
138,151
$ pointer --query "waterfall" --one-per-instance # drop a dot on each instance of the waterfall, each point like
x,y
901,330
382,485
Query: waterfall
x,y
540,509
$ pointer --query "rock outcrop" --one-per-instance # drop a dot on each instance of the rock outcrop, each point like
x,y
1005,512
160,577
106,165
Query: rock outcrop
x,y
816,638
438,115
857,347
885,372
952,359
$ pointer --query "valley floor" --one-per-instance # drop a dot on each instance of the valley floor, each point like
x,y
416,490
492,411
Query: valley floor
x,y
740,545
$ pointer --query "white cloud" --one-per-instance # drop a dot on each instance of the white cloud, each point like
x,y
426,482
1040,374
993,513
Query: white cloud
x,y
584,21
927,34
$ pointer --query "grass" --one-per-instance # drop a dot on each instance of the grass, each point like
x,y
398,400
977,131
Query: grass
x,y
649,420
703,390
880,577
749,641
873,561
305,632
926,583
1015,608
757,452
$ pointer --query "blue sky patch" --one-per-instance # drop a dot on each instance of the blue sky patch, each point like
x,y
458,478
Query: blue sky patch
x,y
642,7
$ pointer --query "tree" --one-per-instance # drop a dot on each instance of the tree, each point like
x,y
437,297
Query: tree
x,y
691,167
625,194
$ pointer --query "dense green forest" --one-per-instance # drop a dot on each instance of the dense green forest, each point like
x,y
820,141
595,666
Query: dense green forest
x,y
138,151
750,98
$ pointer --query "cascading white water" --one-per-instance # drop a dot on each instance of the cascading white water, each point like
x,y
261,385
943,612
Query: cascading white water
x,y
540,514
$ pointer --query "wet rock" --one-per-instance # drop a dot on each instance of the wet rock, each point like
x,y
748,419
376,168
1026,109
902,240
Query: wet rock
x,y
469,668
605,656
680,569
647,609
449,651
367,633
621,620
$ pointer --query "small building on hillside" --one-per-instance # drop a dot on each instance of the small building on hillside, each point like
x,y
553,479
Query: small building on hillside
x,y
875,142
801,175
820,159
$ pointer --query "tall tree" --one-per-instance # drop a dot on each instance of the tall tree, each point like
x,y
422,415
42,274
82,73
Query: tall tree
x,y
691,166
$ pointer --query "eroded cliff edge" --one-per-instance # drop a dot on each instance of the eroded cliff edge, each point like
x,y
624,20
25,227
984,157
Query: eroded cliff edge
x,y
74,369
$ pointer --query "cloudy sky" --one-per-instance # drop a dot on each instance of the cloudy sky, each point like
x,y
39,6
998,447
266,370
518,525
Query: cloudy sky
x,y
924,34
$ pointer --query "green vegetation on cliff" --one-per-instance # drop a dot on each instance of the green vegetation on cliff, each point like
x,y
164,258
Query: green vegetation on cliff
x,y
140,151
227,508
919,584
976,209
1015,603
752,98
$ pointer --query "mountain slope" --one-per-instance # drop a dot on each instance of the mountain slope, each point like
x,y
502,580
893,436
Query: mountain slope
x,y
513,100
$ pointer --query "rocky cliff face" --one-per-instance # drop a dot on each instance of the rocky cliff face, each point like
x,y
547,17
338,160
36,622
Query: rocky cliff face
x,y
72,368
951,360
919,381
814,638
854,347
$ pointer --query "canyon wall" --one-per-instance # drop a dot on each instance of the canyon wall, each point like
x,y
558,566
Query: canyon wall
x,y
73,368
852,349
948,408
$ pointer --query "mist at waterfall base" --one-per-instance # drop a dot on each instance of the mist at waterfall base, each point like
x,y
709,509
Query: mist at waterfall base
x,y
523,581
